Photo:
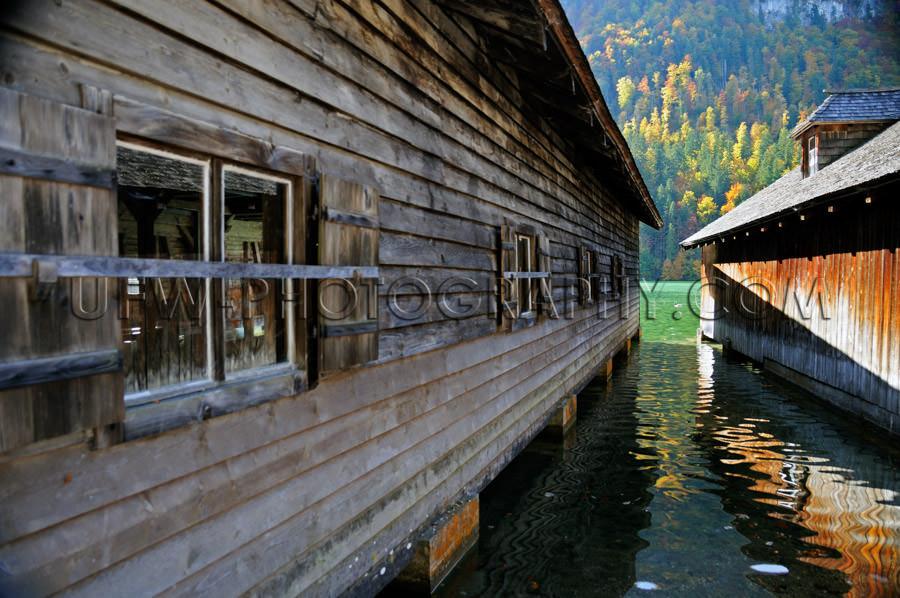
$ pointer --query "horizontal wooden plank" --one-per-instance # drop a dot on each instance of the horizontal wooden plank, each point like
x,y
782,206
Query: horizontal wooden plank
x,y
175,454
338,329
409,310
49,168
323,437
571,193
409,250
15,374
377,485
164,126
398,281
338,216
261,54
73,266
22,58
412,340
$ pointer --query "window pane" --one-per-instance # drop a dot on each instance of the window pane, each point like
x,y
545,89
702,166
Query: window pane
x,y
160,198
254,233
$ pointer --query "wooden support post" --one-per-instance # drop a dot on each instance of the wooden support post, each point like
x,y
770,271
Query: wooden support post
x,y
439,550
564,418
608,369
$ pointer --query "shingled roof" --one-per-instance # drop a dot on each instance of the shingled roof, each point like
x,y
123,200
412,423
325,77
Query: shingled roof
x,y
873,163
854,105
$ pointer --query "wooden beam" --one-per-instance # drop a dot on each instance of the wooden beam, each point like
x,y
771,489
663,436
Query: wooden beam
x,y
48,168
523,24
26,372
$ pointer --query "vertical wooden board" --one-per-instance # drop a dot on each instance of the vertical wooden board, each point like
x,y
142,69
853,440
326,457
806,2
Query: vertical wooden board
x,y
76,315
348,195
583,258
596,282
348,245
348,310
10,123
546,284
299,290
15,404
70,219
891,324
42,127
507,261
13,291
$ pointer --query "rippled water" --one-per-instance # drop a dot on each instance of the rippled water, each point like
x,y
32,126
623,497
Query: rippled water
x,y
692,475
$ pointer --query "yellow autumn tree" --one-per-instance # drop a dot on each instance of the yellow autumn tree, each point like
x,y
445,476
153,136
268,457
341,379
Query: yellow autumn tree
x,y
706,209
731,197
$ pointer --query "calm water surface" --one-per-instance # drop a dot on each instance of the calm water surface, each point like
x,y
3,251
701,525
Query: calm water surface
x,y
686,471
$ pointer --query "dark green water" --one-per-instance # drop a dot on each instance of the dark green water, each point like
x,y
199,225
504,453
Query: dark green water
x,y
685,471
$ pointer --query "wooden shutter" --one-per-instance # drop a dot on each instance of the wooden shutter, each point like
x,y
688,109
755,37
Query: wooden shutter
x,y
618,275
545,293
509,289
584,272
60,362
348,309
597,280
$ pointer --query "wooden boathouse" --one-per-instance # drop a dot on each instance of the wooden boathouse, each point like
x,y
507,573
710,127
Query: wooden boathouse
x,y
804,277
287,281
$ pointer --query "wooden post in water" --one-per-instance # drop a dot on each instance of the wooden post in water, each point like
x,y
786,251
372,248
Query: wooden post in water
x,y
564,419
439,550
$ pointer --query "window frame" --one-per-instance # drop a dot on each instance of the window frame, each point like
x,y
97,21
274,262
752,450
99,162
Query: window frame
x,y
171,406
514,278
813,154
526,286
213,251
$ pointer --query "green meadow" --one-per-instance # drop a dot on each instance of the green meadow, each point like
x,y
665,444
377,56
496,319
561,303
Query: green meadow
x,y
669,311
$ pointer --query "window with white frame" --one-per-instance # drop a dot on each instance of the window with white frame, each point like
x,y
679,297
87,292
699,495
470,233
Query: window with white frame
x,y
813,155
184,206
525,288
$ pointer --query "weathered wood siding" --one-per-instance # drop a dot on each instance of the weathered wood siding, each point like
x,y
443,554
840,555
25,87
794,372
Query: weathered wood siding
x,y
305,494
818,301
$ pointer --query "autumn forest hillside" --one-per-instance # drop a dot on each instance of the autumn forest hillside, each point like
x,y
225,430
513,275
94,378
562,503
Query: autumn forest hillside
x,y
707,92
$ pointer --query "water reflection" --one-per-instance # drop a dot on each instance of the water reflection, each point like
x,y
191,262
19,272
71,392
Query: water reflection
x,y
687,472
806,495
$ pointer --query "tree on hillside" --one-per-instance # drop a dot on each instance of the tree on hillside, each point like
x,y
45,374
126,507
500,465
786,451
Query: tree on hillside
x,y
707,91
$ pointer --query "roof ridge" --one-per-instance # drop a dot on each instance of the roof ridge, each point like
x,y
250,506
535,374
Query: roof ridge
x,y
861,90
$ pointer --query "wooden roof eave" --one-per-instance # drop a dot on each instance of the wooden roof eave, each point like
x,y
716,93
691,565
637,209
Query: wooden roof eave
x,y
571,49
768,219
808,124
535,39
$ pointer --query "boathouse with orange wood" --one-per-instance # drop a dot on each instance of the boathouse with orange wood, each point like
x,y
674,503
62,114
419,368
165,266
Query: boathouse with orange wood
x,y
804,277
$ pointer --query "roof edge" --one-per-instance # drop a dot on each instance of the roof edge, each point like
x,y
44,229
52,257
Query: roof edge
x,y
774,216
808,124
562,30
861,90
